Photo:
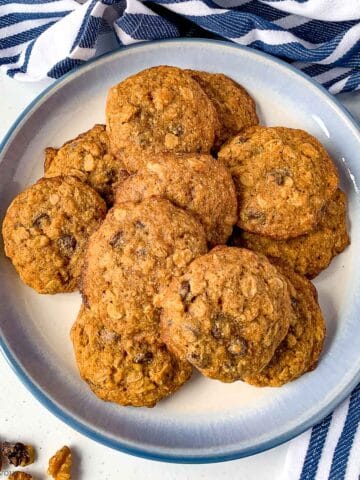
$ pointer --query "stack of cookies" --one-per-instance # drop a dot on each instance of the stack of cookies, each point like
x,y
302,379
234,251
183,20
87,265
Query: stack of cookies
x,y
191,232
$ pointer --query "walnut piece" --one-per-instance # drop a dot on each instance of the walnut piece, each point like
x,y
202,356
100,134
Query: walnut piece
x,y
18,454
20,476
60,464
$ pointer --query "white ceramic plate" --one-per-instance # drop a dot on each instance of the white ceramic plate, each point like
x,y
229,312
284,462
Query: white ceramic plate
x,y
206,420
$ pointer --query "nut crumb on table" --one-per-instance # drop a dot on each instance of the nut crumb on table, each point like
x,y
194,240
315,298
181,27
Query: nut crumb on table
x,y
60,464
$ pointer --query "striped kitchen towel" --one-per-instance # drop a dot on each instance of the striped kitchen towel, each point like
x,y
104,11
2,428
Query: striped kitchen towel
x,y
331,449
47,38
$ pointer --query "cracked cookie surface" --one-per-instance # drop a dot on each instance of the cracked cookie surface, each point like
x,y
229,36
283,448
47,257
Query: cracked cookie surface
x,y
88,158
284,178
196,182
227,314
46,229
235,108
159,109
135,252
298,353
135,370
307,254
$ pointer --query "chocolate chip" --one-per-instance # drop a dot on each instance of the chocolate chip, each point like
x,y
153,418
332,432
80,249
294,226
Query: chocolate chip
x,y
184,289
85,300
141,252
117,240
255,215
294,302
242,139
220,325
139,225
200,361
40,220
216,330
237,346
67,245
111,176
143,357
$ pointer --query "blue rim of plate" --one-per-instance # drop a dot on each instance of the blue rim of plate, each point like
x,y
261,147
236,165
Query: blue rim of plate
x,y
50,405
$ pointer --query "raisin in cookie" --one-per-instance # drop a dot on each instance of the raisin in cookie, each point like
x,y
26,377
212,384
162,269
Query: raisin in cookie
x,y
159,109
88,158
235,108
46,229
284,178
135,370
307,254
299,351
135,252
196,182
227,314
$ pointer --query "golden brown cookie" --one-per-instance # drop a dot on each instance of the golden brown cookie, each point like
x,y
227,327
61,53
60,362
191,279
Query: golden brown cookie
x,y
227,314
284,177
307,254
196,182
159,109
130,370
299,351
135,252
88,158
46,229
235,108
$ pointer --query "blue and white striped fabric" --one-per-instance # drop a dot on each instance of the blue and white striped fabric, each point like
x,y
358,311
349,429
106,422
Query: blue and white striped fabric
x,y
331,449
47,38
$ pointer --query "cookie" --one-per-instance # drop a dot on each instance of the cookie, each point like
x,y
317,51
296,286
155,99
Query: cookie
x,y
227,314
46,229
284,178
88,158
196,182
307,254
299,351
136,251
128,370
234,106
159,109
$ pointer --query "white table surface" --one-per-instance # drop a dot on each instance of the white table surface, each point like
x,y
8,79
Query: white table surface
x,y
22,418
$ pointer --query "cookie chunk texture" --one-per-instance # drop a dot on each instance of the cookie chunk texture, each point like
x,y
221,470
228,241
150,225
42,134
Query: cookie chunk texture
x,y
136,252
299,351
234,106
135,370
46,229
159,109
307,254
284,178
88,158
227,314
195,182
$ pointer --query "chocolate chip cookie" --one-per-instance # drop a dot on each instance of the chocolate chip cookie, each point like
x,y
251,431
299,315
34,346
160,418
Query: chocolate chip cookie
x,y
284,177
88,158
307,254
235,108
227,314
130,370
159,109
299,351
196,182
46,229
135,252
